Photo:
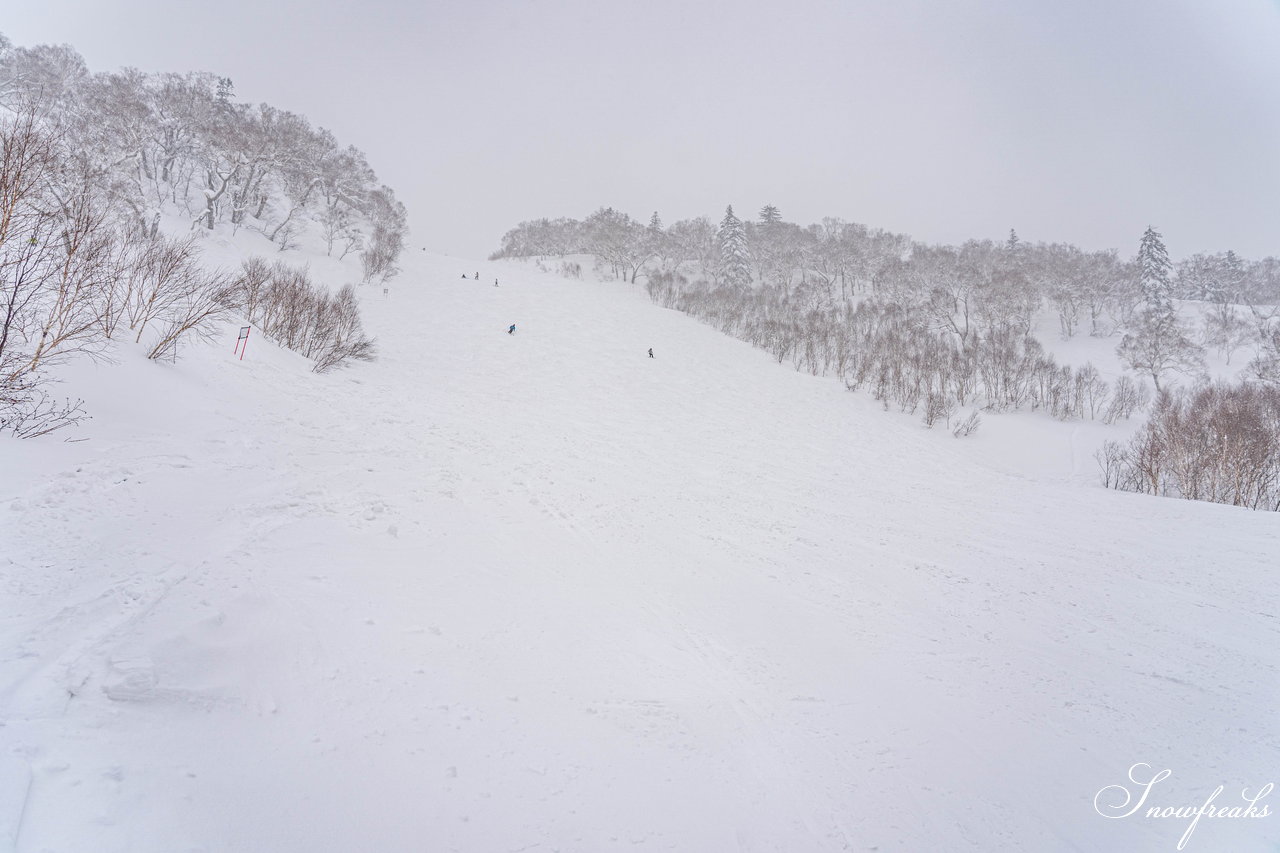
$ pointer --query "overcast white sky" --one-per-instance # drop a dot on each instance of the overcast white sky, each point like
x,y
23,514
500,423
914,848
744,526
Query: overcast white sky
x,y
1080,121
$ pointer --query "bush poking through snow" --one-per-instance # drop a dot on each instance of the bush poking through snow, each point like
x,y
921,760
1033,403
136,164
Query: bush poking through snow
x,y
962,427
28,412
166,289
938,407
198,304
1218,443
282,301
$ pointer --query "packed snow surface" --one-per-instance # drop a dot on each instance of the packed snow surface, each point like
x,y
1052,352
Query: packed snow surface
x,y
538,591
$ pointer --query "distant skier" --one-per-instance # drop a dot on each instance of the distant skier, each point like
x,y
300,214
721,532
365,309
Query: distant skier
x,y
495,282
650,352
464,275
512,330
477,276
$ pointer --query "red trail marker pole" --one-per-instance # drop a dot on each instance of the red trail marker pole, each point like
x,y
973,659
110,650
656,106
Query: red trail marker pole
x,y
244,338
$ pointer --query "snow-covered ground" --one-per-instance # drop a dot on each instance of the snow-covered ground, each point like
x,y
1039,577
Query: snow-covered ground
x,y
540,592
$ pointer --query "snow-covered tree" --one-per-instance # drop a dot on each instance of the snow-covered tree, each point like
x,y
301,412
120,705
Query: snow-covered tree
x,y
1226,331
1233,275
1265,366
1159,344
695,242
1155,271
40,76
735,260
389,220
157,144
1218,278
6,79
660,246
617,239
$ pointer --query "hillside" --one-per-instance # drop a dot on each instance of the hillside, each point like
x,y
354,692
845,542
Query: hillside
x,y
541,592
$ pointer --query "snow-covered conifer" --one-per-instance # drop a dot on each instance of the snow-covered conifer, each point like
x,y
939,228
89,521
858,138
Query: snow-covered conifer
x,y
735,260
1154,269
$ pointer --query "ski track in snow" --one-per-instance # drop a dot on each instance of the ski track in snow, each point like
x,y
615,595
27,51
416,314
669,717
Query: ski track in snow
x,y
539,592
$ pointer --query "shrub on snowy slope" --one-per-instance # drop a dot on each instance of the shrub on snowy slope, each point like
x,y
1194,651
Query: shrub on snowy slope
x,y
290,310
1218,442
83,157
70,282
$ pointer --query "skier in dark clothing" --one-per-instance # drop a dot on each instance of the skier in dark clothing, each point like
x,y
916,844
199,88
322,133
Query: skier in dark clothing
x,y
477,276
650,352
512,330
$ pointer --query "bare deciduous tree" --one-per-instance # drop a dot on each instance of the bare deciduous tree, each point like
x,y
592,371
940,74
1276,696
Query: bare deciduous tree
x,y
1159,344
1217,443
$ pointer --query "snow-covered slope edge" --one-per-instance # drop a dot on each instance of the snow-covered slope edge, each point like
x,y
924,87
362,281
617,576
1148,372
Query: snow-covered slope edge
x,y
499,592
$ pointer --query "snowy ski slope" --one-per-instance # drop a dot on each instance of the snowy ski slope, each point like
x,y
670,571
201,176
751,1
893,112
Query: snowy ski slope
x,y
540,592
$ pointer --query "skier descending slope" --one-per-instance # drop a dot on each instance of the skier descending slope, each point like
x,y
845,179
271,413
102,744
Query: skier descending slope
x,y
512,330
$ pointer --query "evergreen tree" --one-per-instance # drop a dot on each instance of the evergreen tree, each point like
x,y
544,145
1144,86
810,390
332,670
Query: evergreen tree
x,y
1154,270
735,261
1158,342
657,243
1013,242
1232,277
766,244
226,90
